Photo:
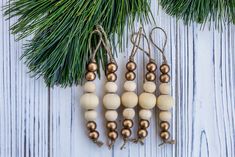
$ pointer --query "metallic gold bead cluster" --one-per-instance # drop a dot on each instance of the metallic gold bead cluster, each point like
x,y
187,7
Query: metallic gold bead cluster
x,y
91,69
165,135
164,78
151,67
92,133
111,69
112,133
143,126
126,131
130,74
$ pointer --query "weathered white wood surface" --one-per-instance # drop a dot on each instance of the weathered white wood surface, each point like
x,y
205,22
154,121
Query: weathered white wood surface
x,y
36,121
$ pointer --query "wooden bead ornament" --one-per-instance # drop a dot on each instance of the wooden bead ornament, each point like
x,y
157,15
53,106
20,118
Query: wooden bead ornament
x,y
165,102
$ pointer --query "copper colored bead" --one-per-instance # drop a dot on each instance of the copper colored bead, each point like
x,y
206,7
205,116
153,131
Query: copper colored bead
x,y
94,135
164,126
126,133
142,133
113,135
92,67
127,123
91,126
131,66
112,77
112,67
90,76
165,135
130,76
150,76
144,124
151,66
111,125
164,68
165,78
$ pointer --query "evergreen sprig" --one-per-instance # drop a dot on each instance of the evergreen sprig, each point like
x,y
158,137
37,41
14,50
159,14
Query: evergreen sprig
x,y
58,50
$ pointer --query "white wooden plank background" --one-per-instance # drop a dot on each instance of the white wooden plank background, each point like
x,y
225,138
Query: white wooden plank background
x,y
36,121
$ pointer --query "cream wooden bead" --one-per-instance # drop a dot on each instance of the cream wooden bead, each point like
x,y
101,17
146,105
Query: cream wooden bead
x,y
89,101
111,115
147,100
91,115
128,113
129,99
130,86
145,114
165,116
165,102
89,87
111,101
164,88
149,87
111,87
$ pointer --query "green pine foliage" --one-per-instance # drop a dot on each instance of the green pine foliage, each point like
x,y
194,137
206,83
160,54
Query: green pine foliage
x,y
58,50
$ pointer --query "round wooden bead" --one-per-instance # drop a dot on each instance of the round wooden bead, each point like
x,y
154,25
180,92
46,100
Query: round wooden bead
x,y
164,88
112,77
147,100
165,116
165,102
89,101
111,101
128,113
111,87
90,76
89,87
164,68
112,67
130,86
165,78
145,114
131,66
129,99
149,87
91,115
150,76
151,66
92,67
111,115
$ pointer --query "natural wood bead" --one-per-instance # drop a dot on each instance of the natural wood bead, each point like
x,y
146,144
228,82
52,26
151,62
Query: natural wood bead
x,y
165,102
145,114
112,67
113,135
144,124
112,77
111,101
164,88
94,135
164,68
165,78
130,86
128,113
89,101
90,76
149,86
165,116
142,133
129,99
164,126
150,76
127,123
126,133
89,87
110,87
147,100
111,115
111,125
92,67
165,135
131,66
91,115
130,76
151,66
91,126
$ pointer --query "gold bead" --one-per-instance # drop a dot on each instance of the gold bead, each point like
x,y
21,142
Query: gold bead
x,y
90,76
151,66
131,66
130,76
144,124
164,68
126,133
91,126
127,123
113,135
94,135
92,67
164,126
112,67
150,76
111,125
165,135
112,77
142,133
165,78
